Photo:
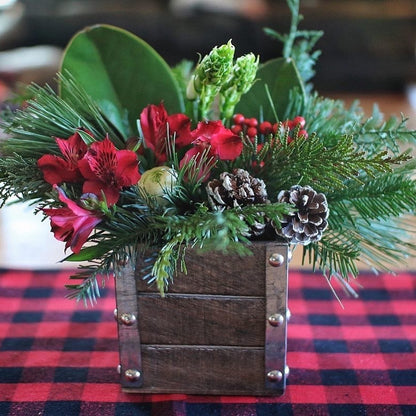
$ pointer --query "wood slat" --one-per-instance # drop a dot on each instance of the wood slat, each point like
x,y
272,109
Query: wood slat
x,y
201,320
203,370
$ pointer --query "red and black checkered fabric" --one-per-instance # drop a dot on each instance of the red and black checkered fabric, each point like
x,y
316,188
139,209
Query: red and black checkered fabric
x,y
59,358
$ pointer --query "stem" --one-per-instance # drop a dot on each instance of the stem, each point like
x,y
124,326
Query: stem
x,y
290,39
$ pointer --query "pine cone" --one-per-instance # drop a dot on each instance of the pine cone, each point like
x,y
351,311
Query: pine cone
x,y
237,189
310,221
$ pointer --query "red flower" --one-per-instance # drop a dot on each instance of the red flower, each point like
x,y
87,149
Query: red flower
x,y
72,224
64,169
223,143
108,170
156,123
216,141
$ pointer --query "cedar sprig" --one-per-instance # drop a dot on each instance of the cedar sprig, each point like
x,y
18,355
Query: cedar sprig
x,y
224,231
298,44
21,177
331,119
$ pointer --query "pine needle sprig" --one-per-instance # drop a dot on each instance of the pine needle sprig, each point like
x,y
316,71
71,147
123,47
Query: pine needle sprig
x,y
386,196
386,243
335,253
34,128
326,169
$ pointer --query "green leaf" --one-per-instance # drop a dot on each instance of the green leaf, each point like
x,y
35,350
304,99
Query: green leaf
x,y
122,73
276,79
86,254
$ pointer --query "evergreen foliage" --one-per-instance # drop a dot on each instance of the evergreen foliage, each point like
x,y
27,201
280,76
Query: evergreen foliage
x,y
356,161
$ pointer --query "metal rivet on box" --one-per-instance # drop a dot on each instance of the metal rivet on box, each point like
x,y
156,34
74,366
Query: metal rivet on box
x,y
119,369
127,318
287,370
275,375
276,319
115,312
276,260
132,374
288,314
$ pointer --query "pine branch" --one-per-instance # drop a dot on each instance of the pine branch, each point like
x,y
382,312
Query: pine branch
x,y
387,196
335,253
33,129
366,223
309,161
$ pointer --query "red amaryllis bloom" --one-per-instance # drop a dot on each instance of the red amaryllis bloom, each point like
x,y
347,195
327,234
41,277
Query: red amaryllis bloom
x,y
72,223
156,124
216,141
64,169
107,170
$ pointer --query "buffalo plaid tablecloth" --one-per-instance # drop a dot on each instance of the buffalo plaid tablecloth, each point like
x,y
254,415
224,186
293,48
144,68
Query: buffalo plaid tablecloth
x,y
59,358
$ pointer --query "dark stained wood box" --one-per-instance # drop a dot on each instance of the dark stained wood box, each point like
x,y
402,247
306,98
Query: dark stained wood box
x,y
220,330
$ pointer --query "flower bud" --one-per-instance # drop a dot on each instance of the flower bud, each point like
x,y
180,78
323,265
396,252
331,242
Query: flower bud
x,y
216,67
245,70
158,182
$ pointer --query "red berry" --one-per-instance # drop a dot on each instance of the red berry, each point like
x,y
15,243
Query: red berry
x,y
275,127
251,122
238,118
236,129
265,127
251,132
288,124
303,133
299,121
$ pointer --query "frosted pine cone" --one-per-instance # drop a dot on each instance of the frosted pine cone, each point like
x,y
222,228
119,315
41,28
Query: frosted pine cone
x,y
310,221
237,189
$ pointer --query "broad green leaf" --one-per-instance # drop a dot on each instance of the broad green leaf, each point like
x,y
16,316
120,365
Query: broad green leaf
x,y
122,73
271,92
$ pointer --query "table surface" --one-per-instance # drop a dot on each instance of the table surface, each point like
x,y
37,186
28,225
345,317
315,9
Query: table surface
x,y
59,358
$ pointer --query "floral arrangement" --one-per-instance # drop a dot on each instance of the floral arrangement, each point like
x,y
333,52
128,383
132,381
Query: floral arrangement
x,y
131,156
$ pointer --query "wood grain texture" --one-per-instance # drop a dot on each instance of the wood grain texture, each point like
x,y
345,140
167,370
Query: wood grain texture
x,y
204,370
201,320
210,334
215,273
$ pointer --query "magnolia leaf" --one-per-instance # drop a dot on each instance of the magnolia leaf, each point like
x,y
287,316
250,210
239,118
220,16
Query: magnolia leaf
x,y
122,73
270,95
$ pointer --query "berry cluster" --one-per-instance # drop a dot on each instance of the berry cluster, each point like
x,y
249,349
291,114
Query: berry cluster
x,y
252,128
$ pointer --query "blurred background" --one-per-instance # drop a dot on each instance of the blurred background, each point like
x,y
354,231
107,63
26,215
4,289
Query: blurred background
x,y
368,52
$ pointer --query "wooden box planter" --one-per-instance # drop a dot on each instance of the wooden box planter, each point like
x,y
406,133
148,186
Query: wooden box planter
x,y
220,330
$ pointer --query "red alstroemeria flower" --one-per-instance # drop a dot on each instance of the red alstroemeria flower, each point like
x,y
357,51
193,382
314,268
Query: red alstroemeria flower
x,y
72,223
155,124
107,170
64,169
216,141
223,143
